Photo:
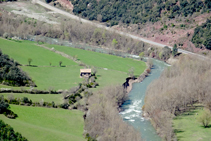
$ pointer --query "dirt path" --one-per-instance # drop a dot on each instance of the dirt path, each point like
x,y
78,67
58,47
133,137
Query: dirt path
x,y
61,53
110,29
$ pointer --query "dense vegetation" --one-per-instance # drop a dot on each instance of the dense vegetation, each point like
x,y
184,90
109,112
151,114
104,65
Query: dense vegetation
x,y
202,35
137,11
4,108
103,121
57,98
11,74
183,85
8,134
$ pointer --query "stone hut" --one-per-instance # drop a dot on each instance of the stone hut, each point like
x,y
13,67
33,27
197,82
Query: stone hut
x,y
85,72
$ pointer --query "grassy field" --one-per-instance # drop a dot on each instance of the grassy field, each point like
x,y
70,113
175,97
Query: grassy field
x,y
103,60
55,77
57,98
188,128
46,76
15,88
47,124
27,49
109,77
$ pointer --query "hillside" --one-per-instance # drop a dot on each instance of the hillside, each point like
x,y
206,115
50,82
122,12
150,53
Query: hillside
x,y
137,11
167,22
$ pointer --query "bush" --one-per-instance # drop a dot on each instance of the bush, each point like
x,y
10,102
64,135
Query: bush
x,y
10,114
165,53
6,35
205,118
3,105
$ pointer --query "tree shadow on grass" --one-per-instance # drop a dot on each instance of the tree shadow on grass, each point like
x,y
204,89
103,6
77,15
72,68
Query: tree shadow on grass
x,y
178,131
190,113
209,126
32,66
98,75
179,138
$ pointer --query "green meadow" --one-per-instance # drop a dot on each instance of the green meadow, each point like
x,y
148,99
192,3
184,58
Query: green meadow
x,y
22,51
103,60
47,124
56,77
188,128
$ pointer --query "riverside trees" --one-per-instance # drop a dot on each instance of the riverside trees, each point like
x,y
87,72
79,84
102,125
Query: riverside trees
x,y
103,120
183,85
70,30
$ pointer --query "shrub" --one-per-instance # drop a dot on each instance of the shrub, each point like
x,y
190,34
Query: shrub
x,y
6,35
205,118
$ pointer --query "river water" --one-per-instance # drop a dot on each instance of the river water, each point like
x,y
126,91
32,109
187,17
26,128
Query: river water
x,y
132,112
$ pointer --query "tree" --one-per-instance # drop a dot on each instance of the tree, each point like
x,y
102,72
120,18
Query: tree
x,y
3,105
141,55
174,50
207,43
60,63
94,71
205,118
114,42
165,53
29,61
48,1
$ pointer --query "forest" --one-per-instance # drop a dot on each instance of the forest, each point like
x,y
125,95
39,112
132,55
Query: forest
x,y
202,35
7,133
137,11
11,74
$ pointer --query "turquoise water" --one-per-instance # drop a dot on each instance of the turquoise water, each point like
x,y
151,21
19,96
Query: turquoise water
x,y
132,107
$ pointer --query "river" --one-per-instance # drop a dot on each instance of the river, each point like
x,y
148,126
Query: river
x,y
132,112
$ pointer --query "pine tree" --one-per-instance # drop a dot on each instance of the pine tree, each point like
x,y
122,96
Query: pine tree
x,y
174,50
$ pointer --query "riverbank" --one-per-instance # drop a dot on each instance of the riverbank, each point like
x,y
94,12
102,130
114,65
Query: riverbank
x,y
139,79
